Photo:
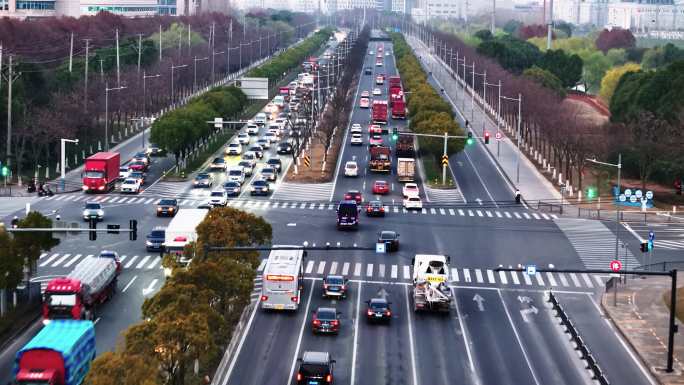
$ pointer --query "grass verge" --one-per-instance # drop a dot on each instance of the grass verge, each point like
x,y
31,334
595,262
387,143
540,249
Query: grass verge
x,y
679,313
433,173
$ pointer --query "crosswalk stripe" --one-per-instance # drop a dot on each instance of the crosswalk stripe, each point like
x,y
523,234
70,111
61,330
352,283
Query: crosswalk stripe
x,y
262,264
564,281
345,268
49,260
275,205
302,206
43,255
516,215
396,209
489,214
423,211
454,274
442,212
321,206
599,280
115,200
130,263
551,279
586,279
357,269
540,279
490,276
535,216
59,198
309,267
545,216
143,262
59,261
154,263
321,267
312,206
432,211
451,212
237,203
148,201
554,216
381,270
502,276
393,274
369,270
185,202
528,280
514,275
460,212
479,213
466,275
498,214
403,210
123,258
470,213
478,275
331,207
407,272
526,216
333,268
74,259
507,214
575,281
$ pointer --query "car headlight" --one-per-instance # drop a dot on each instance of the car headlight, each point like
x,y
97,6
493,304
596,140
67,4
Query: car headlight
x,y
85,213
253,188
148,243
85,188
195,182
100,212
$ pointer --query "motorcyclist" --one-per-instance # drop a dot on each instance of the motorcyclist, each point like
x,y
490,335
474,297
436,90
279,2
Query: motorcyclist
x,y
517,196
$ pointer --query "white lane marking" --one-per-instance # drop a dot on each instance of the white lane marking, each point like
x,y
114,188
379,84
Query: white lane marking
x,y
479,213
586,279
321,267
575,281
129,284
369,270
242,341
460,212
502,276
517,337
463,333
489,214
74,259
407,272
451,212
333,268
470,213
441,211
49,260
454,274
143,262
302,206
545,216
345,268
59,261
516,215
147,202
154,263
507,214
381,270
540,279
478,276
535,216
514,275
432,211
262,264
130,263
477,173
356,334
275,205
498,214
43,255
357,269
393,273
599,281
526,216
528,280
301,333
554,216
123,258
490,276
551,279
466,275
411,343
309,267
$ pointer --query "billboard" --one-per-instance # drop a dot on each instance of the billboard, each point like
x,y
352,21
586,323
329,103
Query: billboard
x,y
254,88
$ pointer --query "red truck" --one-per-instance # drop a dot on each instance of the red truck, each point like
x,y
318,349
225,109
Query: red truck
x,y
101,171
404,147
380,159
60,354
75,296
379,114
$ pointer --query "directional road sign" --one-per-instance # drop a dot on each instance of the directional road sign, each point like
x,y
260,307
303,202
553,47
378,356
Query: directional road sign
x,y
445,160
615,265
531,269
380,247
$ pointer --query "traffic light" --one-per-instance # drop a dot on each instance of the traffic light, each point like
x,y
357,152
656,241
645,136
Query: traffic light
x,y
4,171
486,137
591,192
395,134
133,224
92,235
469,141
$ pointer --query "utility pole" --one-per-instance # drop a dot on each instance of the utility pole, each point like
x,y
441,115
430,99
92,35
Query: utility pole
x,y
180,41
549,25
118,72
493,28
85,86
0,65
194,78
139,51
160,43
101,69
189,39
11,77
71,53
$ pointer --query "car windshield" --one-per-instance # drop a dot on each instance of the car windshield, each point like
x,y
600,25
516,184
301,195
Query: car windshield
x,y
167,202
267,170
137,174
158,234
234,145
107,254
260,183
414,199
94,174
130,181
202,176
92,206
378,305
347,209
217,193
245,164
219,160
326,314
231,184
235,172
334,280
313,370
387,235
351,165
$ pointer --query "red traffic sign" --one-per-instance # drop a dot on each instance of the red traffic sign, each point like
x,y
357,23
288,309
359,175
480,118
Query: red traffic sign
x,y
498,136
615,265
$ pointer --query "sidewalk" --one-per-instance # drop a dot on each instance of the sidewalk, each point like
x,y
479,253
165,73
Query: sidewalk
x,y
517,169
642,318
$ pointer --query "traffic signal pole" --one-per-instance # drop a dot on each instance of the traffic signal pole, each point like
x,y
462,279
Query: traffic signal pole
x,y
445,156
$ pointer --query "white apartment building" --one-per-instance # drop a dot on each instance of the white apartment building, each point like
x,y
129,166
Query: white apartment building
x,y
399,6
637,15
430,9
23,9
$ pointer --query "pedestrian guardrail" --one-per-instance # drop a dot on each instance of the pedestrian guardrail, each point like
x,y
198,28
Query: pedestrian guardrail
x,y
592,365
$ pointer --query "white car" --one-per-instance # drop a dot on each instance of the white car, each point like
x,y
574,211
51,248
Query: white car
x,y
236,174
356,128
264,143
357,139
271,137
243,138
370,52
234,149
377,91
351,168
124,172
252,129
247,167
130,185
413,203
378,64
251,157
218,198
260,118
410,190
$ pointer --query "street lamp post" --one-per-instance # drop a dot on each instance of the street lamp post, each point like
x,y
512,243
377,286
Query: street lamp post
x,y
518,132
194,77
213,59
107,89
498,112
173,67
145,77
63,168
472,92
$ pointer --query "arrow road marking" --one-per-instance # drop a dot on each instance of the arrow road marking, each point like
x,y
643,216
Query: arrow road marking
x,y
524,299
526,312
480,301
479,201
149,288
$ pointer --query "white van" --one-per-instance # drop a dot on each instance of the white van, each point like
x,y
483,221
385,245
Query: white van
x,y
260,119
283,279
236,174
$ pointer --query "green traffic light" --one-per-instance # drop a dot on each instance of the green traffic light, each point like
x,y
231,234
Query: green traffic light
x,y
591,193
469,141
4,171
395,137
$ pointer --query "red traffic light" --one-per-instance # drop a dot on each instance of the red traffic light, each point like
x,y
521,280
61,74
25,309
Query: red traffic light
x,y
486,137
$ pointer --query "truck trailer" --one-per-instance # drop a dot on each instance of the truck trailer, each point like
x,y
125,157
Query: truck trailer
x,y
91,283
380,160
181,231
100,172
379,112
431,283
406,169
60,354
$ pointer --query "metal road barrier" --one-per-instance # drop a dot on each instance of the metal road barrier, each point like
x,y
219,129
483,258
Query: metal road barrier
x,y
581,346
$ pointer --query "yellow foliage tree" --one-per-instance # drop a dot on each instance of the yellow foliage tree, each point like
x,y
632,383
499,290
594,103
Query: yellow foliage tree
x,y
119,368
612,77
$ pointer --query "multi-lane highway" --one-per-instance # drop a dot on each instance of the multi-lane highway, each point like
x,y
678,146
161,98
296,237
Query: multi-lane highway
x,y
499,330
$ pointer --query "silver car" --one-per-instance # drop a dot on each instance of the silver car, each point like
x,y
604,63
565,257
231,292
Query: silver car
x,y
93,210
247,167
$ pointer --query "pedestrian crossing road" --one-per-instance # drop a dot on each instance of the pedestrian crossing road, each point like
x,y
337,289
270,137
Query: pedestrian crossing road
x,y
303,192
308,205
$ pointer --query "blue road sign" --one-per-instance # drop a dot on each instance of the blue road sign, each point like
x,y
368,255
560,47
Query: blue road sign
x,y
531,269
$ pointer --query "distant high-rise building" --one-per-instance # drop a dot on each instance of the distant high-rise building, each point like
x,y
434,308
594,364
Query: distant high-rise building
x,y
429,9
23,9
399,6
643,15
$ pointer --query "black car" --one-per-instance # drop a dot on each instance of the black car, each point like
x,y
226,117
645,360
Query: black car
x,y
334,286
167,208
260,187
368,71
378,309
232,188
284,148
203,179
315,368
155,239
258,151
275,163
325,320
375,209
390,239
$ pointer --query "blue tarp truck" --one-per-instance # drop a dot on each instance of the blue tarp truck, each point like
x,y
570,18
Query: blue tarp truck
x,y
60,354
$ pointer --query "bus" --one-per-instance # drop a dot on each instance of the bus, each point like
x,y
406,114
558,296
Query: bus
x,y
283,279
